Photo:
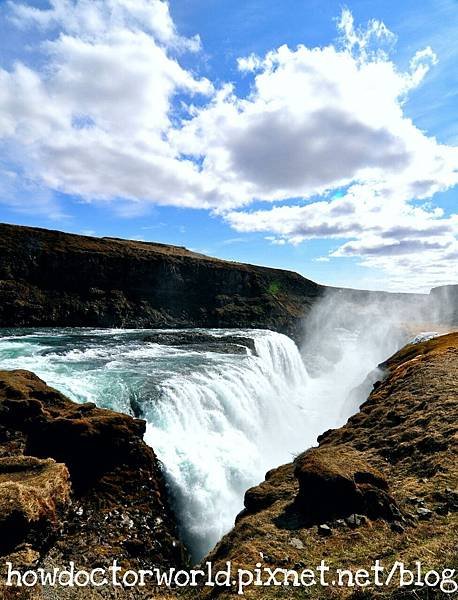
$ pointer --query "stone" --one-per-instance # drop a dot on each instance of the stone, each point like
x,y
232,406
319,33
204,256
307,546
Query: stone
x,y
353,520
197,340
324,530
90,441
337,483
340,522
424,514
296,543
266,493
442,510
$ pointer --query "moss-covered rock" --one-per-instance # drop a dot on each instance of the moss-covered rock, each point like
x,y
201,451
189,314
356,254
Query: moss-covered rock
x,y
105,499
336,483
34,494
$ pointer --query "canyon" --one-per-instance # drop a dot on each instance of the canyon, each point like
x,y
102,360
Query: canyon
x,y
79,483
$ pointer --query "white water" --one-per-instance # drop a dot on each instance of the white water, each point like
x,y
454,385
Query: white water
x,y
218,422
218,432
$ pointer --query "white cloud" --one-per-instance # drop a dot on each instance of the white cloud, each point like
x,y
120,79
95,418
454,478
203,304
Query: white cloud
x,y
27,197
110,117
96,18
94,121
415,246
366,43
318,119
342,125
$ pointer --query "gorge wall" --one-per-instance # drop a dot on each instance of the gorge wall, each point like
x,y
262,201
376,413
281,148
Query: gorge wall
x,y
50,278
77,484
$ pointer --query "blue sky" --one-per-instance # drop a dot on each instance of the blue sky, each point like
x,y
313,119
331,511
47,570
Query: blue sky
x,y
337,160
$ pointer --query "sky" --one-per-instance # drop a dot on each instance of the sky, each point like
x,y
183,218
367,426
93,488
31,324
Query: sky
x,y
313,136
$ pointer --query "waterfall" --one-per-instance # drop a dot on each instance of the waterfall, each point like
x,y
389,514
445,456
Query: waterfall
x,y
218,432
217,421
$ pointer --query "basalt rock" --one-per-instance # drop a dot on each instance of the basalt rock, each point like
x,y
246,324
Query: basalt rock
x,y
203,342
335,484
89,440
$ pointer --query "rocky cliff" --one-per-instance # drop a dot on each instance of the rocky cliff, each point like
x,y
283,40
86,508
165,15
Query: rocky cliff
x,y
384,486
49,278
77,483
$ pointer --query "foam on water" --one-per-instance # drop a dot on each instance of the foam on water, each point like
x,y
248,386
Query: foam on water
x,y
216,421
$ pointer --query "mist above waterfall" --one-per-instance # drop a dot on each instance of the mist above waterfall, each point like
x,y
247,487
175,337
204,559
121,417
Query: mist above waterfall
x,y
349,332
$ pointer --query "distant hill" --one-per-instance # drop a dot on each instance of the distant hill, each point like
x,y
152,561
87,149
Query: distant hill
x,y
50,278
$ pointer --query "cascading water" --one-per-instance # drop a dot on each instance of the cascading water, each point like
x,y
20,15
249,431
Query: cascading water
x,y
218,431
217,421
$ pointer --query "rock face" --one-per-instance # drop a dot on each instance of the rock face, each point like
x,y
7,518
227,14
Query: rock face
x,y
204,342
77,483
89,440
49,278
384,486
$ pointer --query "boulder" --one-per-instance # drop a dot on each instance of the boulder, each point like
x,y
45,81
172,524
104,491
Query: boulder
x,y
339,482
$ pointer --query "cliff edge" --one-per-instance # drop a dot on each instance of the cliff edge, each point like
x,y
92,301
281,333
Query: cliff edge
x,y
50,278
384,486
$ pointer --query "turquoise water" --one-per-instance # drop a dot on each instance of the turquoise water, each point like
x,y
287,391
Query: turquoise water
x,y
216,421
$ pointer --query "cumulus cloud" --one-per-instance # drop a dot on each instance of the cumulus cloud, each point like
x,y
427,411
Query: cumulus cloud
x,y
396,237
94,121
96,18
112,116
319,119
362,142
